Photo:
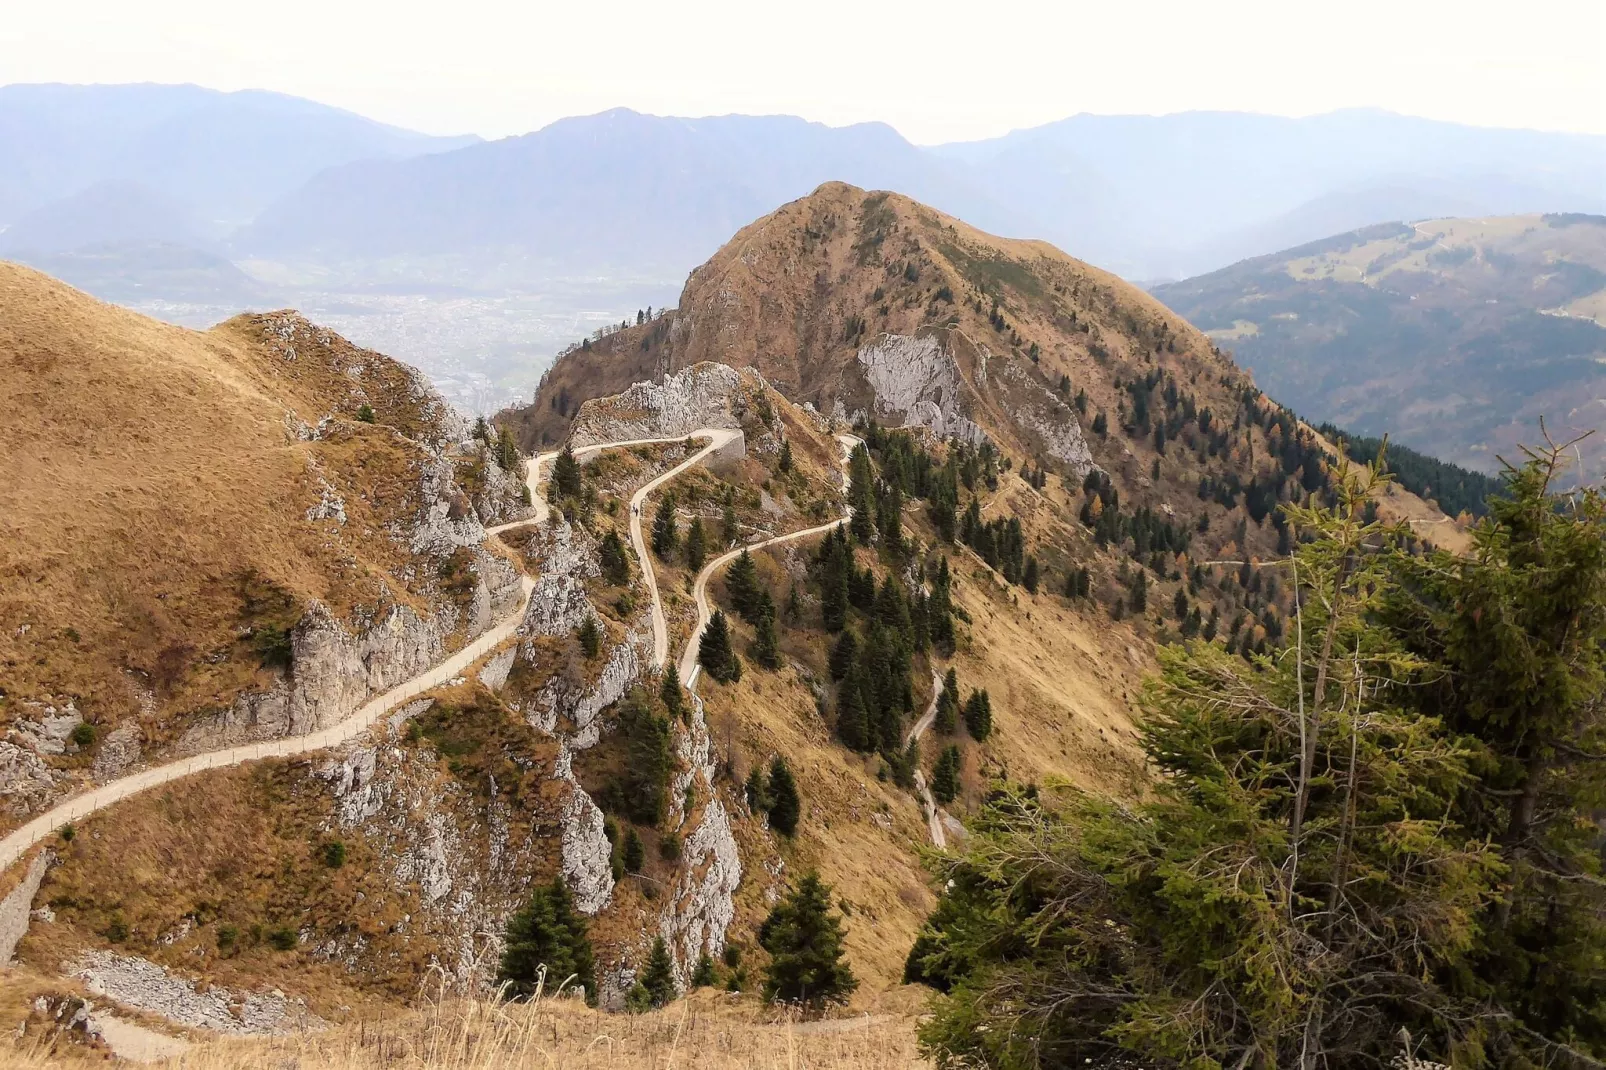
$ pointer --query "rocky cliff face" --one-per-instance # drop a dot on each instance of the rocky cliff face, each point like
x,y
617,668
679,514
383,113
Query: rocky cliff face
x,y
336,667
704,395
917,382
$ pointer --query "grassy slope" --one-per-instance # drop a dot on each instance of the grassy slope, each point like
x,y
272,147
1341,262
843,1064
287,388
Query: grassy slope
x,y
155,500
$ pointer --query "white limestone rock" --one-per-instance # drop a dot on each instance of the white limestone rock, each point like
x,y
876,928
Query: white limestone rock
x,y
26,782
703,904
916,379
494,675
144,985
119,750
586,854
695,397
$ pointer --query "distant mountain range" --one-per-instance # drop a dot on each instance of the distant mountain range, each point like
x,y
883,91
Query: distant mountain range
x,y
215,158
192,204
1456,336
257,174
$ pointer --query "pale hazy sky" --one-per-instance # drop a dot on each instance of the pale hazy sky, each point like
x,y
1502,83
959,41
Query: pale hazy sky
x,y
936,70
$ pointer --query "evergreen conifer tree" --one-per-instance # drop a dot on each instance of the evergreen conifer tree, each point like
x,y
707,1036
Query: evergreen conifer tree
x,y
945,775
852,726
696,545
758,799
803,935
745,589
861,494
843,653
715,653
567,479
786,806
547,934
507,450
665,533
1303,811
634,853
611,555
703,975
590,637
1028,578
642,786
766,643
669,692
979,716
785,462
659,977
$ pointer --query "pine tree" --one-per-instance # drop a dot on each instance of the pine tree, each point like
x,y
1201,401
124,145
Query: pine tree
x,y
757,793
889,519
852,726
1296,890
803,935
785,462
1028,578
669,692
843,654
634,854
743,584
696,546
507,450
659,977
785,804
946,722
766,644
979,716
641,788
715,653
1140,592
1517,632
567,479
703,976
547,934
664,532
861,474
590,637
611,555
945,775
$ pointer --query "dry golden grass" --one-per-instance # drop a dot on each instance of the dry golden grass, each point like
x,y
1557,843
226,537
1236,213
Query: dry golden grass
x,y
149,468
706,1031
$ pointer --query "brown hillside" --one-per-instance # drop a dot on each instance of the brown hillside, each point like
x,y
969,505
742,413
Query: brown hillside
x,y
174,501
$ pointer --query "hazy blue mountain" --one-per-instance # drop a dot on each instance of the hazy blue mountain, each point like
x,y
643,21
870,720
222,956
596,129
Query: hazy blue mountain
x,y
220,156
1166,196
106,212
620,191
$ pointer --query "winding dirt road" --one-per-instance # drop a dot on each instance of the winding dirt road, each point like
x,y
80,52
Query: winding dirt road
x,y
17,843
689,667
933,818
